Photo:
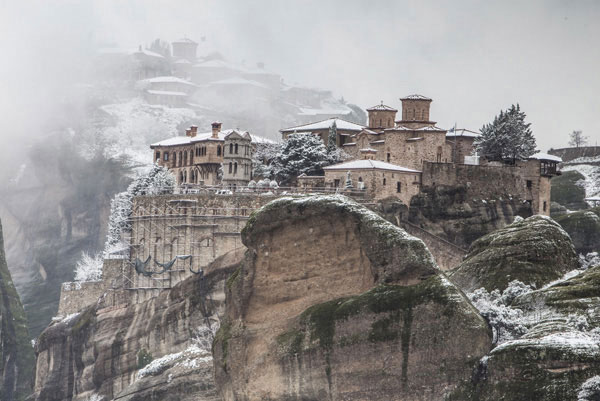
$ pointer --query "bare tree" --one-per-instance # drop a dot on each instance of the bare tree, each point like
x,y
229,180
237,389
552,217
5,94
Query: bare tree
x,y
577,139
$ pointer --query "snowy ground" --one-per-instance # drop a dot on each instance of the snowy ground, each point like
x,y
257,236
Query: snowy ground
x,y
134,126
591,184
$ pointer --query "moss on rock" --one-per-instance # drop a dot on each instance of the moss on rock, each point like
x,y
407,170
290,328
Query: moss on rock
x,y
584,229
534,251
565,191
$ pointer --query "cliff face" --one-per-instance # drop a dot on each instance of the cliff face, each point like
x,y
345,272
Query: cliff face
x,y
156,350
16,353
452,214
333,302
584,229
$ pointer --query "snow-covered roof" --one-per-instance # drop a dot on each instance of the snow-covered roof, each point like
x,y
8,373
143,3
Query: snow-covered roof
x,y
216,63
546,156
168,79
369,165
415,97
185,40
207,136
309,111
349,144
166,93
430,128
377,142
368,150
381,107
149,53
260,139
462,132
238,81
183,61
325,124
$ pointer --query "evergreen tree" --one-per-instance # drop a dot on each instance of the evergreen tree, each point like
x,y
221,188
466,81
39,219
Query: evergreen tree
x,y
332,138
508,137
301,153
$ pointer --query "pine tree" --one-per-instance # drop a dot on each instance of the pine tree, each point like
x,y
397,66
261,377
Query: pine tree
x,y
508,137
332,138
301,153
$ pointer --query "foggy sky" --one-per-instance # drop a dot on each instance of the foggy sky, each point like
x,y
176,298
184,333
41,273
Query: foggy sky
x,y
472,57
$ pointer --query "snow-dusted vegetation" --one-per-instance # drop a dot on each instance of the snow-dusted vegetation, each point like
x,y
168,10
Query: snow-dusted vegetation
x,y
590,390
89,268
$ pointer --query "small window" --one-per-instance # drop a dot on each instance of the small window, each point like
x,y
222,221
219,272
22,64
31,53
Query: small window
x,y
219,150
166,156
545,206
235,168
236,148
157,156
336,183
384,181
529,184
388,157
230,167
398,187
231,148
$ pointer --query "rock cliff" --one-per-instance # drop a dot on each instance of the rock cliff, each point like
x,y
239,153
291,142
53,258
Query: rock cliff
x,y
16,353
155,350
534,251
584,229
333,302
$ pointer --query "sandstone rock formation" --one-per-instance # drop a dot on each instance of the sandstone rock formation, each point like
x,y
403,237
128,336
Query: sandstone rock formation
x,y
565,191
16,353
584,229
156,350
558,353
534,251
453,214
334,303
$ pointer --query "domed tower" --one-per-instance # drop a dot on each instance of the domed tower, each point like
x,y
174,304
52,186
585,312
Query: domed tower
x,y
415,111
381,116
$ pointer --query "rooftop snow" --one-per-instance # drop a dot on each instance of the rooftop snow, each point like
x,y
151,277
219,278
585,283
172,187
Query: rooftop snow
x,y
185,40
369,165
325,124
168,79
207,136
546,156
463,132
427,128
381,107
415,97
377,142
368,150
183,61
238,81
149,53
166,93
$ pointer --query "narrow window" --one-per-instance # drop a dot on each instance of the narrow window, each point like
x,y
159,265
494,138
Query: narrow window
x,y
336,183
236,148
185,158
230,167
235,168
219,150
399,187
384,181
545,205
180,159
157,156
231,148
529,183
388,157
166,156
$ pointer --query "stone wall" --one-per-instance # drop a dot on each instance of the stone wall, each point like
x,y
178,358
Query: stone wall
x,y
522,180
75,296
568,154
446,254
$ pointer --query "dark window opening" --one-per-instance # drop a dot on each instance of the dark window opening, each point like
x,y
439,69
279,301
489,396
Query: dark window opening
x,y
398,187
236,148
529,184
219,150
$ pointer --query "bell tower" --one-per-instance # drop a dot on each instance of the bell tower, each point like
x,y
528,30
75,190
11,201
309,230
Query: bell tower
x,y
415,111
381,116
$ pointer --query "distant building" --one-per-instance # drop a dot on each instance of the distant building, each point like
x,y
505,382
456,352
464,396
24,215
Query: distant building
x,y
167,90
184,49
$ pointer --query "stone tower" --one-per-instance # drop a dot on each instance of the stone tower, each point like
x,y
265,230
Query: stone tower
x,y
382,116
237,160
185,49
415,111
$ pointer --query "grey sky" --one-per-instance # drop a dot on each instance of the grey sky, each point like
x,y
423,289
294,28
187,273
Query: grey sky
x,y
472,57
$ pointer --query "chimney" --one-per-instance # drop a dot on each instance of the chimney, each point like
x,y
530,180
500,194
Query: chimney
x,y
188,132
194,130
216,128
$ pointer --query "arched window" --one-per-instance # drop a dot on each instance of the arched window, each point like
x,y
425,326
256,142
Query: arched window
x,y
185,158
235,167
236,148
180,177
185,176
180,159
231,148
219,150
230,167
191,158
174,159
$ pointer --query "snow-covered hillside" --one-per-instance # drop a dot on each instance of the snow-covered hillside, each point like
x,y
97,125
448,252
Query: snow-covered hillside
x,y
589,167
